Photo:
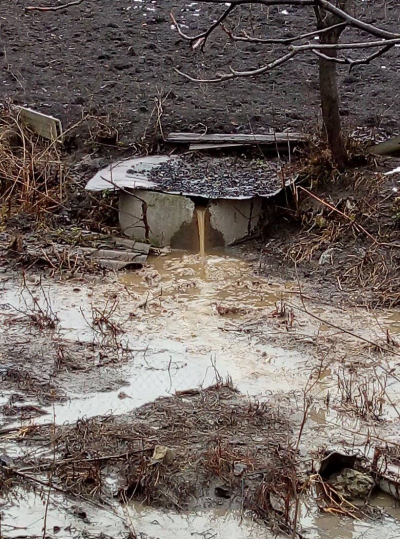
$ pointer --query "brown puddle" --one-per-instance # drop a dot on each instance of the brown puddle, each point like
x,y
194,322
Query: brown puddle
x,y
195,281
188,320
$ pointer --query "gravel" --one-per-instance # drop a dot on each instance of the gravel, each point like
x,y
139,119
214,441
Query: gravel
x,y
226,177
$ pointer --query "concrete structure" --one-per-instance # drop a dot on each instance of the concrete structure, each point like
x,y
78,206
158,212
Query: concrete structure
x,y
235,219
152,216
164,219
161,218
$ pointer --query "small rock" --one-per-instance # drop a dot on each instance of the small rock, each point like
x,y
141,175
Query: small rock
x,y
79,512
239,469
326,257
352,484
162,454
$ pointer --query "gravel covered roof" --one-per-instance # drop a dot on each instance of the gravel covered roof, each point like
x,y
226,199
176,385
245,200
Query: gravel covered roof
x,y
193,175
227,177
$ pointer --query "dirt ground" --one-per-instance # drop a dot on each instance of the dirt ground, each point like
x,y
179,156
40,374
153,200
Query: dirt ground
x,y
115,59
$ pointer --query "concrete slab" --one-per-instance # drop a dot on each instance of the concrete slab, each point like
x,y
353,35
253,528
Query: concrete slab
x,y
208,177
127,174
152,216
235,219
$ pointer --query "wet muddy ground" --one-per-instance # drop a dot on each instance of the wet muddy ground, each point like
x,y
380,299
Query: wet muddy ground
x,y
98,373
197,396
115,60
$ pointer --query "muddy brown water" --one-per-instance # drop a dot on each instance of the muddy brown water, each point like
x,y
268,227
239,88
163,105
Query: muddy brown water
x,y
186,321
201,213
177,339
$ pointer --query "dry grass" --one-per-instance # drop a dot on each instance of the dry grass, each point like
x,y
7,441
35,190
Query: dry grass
x,y
365,395
345,235
32,173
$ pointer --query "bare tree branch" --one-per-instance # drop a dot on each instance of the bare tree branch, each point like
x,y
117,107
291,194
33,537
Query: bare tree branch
x,y
201,39
323,4
389,39
235,74
284,41
263,2
340,46
54,8
350,61
352,21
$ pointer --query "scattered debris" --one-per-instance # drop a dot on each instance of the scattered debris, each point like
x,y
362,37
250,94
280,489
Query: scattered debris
x,y
86,252
335,462
43,125
231,309
327,257
394,171
352,484
162,454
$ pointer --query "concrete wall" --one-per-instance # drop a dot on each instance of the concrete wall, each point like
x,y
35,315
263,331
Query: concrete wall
x,y
164,219
154,217
235,219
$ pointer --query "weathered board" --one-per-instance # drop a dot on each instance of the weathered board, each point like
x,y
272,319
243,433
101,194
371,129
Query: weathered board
x,y
389,147
45,126
223,138
215,146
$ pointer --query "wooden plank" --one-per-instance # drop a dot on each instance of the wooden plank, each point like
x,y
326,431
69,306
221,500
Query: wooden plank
x,y
389,147
132,244
196,147
120,264
127,256
272,138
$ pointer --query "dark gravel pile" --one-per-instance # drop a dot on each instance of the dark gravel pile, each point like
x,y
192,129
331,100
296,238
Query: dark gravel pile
x,y
219,178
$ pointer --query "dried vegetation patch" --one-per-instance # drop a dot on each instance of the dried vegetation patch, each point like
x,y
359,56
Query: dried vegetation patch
x,y
197,449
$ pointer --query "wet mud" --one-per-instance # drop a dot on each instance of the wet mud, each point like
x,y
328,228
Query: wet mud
x,y
97,375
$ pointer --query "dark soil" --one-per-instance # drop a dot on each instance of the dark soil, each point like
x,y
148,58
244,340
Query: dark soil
x,y
114,59
220,177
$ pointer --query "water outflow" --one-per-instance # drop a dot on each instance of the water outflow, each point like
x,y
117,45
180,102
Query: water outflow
x,y
201,214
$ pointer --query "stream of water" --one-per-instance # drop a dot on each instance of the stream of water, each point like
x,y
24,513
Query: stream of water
x,y
201,213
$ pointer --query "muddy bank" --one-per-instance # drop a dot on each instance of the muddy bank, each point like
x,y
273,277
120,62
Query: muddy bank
x,y
340,235
200,449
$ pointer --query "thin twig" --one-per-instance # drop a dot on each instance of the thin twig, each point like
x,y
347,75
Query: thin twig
x,y
54,8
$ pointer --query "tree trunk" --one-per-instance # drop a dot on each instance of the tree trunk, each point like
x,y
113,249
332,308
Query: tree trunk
x,y
330,102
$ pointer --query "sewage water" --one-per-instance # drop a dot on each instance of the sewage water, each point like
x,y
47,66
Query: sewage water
x,y
175,336
184,322
201,214
176,340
